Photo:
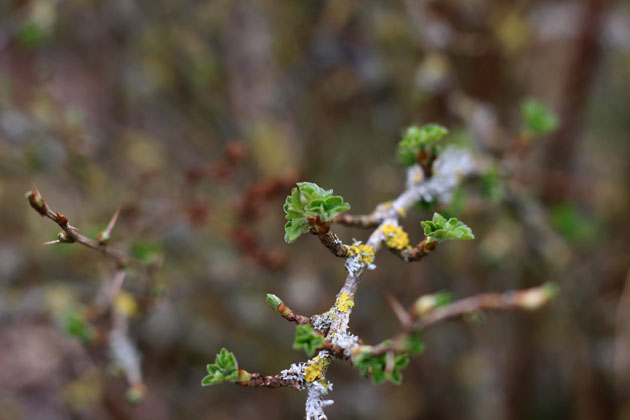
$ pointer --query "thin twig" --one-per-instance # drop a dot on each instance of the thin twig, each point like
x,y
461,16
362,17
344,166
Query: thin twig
x,y
39,205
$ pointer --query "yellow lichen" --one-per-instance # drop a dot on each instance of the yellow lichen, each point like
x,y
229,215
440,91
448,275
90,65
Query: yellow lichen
x,y
126,304
395,237
365,252
345,302
401,212
316,368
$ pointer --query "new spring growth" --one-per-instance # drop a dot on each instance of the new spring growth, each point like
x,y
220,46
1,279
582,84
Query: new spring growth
x,y
225,369
439,229
136,393
538,119
36,201
425,304
62,238
278,305
103,237
307,339
533,299
309,202
417,145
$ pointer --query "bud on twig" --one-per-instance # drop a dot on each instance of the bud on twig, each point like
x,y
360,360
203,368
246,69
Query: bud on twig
x,y
37,202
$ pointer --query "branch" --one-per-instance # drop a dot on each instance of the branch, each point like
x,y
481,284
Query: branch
x,y
528,299
421,250
364,221
327,238
258,380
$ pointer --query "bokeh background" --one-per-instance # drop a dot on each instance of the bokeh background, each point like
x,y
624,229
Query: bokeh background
x,y
195,117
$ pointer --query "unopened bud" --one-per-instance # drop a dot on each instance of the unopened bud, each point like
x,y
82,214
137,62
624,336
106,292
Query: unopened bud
x,y
37,202
535,298
427,303
273,301
64,238
136,393
103,237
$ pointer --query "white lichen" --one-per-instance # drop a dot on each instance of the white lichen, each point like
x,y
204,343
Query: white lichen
x,y
346,341
314,403
295,374
124,354
450,167
323,321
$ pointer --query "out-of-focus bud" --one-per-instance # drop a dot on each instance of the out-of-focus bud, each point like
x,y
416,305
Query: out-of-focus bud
x,y
425,304
64,238
136,393
103,237
535,298
37,202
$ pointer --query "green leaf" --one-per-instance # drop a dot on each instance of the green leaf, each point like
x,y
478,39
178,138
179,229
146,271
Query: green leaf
x,y
538,119
75,325
414,344
307,339
375,366
439,229
568,220
32,34
224,368
145,251
309,199
416,139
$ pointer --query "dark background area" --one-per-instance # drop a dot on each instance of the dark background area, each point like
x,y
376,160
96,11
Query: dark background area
x,y
108,103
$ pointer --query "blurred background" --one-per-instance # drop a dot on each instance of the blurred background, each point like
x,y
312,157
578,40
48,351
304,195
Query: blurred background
x,y
196,117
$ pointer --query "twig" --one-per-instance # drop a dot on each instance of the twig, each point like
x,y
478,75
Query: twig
x,y
258,380
70,234
287,313
364,221
528,299
327,238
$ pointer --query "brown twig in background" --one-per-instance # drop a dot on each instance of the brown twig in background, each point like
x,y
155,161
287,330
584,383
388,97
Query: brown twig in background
x,y
361,221
70,234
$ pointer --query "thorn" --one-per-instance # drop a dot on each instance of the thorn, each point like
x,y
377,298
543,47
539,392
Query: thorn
x,y
35,189
112,221
403,316
56,241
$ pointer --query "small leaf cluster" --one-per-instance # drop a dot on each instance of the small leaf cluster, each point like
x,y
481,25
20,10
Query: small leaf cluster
x,y
538,118
414,344
309,199
75,325
375,366
224,369
307,339
417,139
439,229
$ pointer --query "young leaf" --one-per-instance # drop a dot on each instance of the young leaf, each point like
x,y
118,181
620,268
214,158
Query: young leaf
x,y
307,339
439,229
414,344
376,367
416,139
538,118
75,324
309,199
224,368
